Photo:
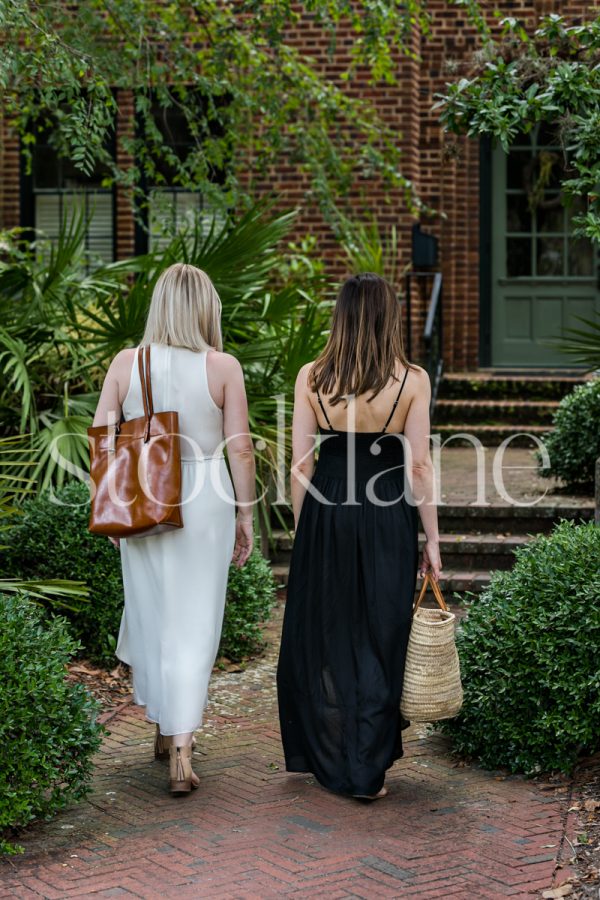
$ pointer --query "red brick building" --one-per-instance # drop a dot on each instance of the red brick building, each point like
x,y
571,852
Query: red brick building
x,y
510,279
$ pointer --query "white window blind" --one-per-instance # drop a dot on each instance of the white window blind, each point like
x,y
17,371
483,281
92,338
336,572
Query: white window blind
x,y
52,206
169,210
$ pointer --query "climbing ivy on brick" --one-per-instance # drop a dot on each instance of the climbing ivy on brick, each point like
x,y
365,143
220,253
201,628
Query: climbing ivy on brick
x,y
249,91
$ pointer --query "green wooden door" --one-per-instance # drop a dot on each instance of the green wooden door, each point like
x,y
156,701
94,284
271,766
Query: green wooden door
x,y
542,277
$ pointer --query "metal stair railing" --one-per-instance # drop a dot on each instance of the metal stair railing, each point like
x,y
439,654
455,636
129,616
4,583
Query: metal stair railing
x,y
432,333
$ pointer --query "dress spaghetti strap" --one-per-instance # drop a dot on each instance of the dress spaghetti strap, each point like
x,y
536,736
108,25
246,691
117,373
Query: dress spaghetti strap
x,y
389,418
324,410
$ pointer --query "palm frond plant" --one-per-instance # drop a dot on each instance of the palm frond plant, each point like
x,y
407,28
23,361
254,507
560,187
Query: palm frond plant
x,y
59,327
274,318
369,248
46,388
582,344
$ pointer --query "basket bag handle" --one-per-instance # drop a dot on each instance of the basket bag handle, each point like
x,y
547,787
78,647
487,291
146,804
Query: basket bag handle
x,y
432,583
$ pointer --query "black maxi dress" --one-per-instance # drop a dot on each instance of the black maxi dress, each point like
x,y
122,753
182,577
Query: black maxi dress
x,y
348,614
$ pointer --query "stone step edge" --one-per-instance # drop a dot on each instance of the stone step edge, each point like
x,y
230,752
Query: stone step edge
x,y
447,540
519,375
474,521
505,511
499,428
483,403
455,579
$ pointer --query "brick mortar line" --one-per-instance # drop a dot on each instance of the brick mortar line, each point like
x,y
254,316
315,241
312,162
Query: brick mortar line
x,y
111,714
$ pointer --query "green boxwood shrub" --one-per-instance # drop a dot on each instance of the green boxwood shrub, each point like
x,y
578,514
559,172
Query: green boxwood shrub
x,y
528,651
52,541
574,444
48,728
250,598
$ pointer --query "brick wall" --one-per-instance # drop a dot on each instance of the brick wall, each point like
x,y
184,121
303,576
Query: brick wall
x,y
445,171
9,176
123,214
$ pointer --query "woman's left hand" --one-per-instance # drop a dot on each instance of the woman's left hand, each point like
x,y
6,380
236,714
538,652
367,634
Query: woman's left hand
x,y
116,542
244,539
431,561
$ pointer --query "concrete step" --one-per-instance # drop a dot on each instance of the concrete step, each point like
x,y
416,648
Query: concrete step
x,y
281,572
483,552
461,581
495,412
452,581
521,384
515,520
462,519
459,551
490,435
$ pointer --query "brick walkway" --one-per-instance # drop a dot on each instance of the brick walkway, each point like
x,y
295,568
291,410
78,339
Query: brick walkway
x,y
252,831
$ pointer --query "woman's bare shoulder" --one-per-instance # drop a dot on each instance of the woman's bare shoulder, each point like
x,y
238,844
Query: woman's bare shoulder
x,y
223,363
417,382
122,362
417,374
302,376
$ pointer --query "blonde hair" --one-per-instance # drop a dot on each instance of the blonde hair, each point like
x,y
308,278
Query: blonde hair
x,y
185,310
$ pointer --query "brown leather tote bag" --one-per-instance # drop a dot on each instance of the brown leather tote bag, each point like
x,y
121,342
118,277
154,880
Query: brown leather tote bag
x,y
135,470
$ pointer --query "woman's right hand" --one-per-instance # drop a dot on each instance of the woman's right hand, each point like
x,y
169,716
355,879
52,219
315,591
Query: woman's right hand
x,y
431,561
244,539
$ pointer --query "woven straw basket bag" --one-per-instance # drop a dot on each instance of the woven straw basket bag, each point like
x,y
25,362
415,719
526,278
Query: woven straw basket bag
x,y
432,687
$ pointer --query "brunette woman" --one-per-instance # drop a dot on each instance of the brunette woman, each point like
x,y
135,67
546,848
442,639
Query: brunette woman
x,y
355,558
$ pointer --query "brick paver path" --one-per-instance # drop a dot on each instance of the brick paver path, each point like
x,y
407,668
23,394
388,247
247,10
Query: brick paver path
x,y
253,831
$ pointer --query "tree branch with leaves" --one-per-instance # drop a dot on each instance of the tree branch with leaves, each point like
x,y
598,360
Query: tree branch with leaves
x,y
250,94
519,79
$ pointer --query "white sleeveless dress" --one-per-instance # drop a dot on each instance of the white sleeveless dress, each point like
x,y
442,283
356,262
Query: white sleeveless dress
x,y
175,582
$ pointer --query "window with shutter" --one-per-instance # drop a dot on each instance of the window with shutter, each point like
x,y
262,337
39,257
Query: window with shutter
x,y
56,190
170,206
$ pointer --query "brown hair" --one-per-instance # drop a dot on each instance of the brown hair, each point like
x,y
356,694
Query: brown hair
x,y
364,342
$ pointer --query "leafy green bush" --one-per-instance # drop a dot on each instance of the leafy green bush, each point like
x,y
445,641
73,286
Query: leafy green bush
x,y
529,658
51,540
48,731
574,444
250,598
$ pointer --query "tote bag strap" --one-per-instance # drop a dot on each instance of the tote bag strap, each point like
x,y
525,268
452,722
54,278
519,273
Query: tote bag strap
x,y
429,581
146,384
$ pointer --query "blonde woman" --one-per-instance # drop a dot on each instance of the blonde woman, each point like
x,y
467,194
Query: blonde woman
x,y
175,582
355,558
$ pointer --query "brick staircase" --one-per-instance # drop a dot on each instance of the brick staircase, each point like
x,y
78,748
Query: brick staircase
x,y
495,406
475,540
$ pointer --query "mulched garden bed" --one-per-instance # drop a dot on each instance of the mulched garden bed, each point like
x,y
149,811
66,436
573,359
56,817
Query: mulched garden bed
x,y
111,688
586,849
